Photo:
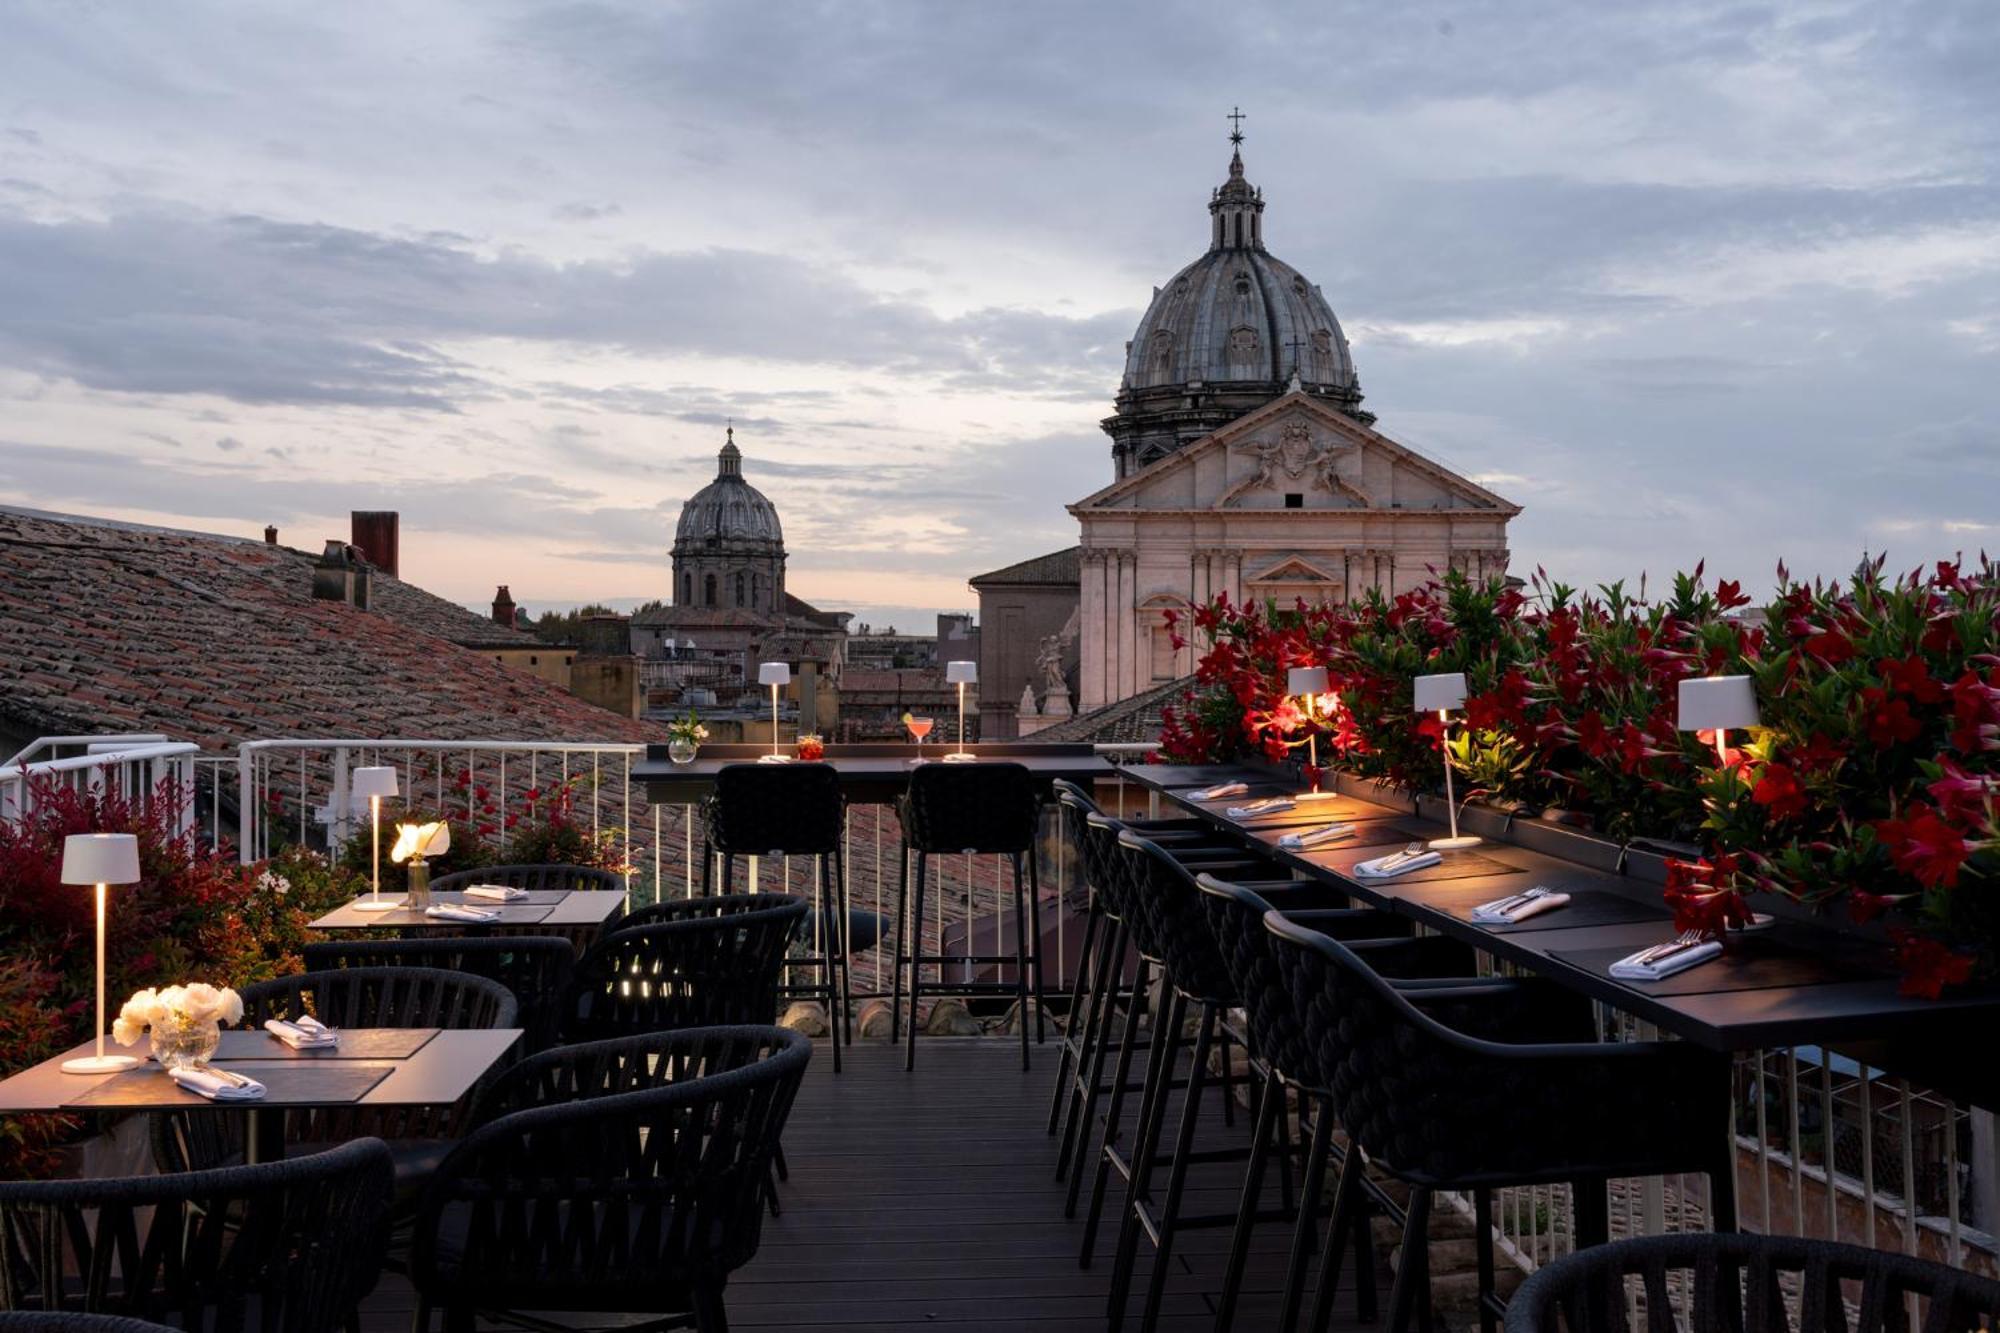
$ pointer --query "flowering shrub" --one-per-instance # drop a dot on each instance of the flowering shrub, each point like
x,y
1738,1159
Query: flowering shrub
x,y
547,831
1873,777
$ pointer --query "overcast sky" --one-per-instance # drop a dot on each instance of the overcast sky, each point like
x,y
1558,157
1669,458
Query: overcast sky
x,y
1686,280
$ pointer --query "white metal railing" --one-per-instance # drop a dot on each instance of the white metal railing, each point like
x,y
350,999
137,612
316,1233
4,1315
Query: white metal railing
x,y
140,766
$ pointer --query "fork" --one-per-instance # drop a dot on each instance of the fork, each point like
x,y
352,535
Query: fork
x,y
1687,939
1507,905
1415,849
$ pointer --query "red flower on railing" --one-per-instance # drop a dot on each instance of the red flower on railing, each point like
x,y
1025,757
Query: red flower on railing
x,y
1928,966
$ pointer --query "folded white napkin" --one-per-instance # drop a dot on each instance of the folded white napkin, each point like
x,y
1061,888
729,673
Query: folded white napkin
x,y
1293,842
461,912
302,1033
1270,805
1398,863
216,1086
1663,965
1519,907
1217,793
505,893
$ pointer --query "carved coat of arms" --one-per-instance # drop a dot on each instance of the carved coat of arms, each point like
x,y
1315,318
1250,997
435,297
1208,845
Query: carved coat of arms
x,y
1296,456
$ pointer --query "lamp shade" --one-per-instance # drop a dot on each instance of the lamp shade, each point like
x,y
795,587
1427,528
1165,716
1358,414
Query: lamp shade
x,y
367,782
1301,681
961,673
773,673
1441,692
1717,703
100,858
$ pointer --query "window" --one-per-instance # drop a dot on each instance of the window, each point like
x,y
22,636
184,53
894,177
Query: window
x,y
687,590
739,590
534,660
708,590
1294,500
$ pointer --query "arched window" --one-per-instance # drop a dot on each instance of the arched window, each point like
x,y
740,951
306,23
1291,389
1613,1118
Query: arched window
x,y
708,590
687,590
757,590
739,589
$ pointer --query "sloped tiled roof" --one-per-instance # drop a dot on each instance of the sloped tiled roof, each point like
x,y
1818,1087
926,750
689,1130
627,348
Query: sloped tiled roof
x,y
1057,567
1128,721
111,627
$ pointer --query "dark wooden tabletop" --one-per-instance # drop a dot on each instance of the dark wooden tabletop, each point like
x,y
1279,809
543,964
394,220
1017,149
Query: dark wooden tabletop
x,y
1794,983
562,912
439,1068
869,773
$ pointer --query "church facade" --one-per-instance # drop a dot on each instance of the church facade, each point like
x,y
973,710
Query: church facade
x,y
1243,463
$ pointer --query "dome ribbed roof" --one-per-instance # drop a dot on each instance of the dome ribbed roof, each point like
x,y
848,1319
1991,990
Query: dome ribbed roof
x,y
1238,313
729,510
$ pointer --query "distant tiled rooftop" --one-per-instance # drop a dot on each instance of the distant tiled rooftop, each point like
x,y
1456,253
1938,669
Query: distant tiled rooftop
x,y
1062,567
118,627
1129,721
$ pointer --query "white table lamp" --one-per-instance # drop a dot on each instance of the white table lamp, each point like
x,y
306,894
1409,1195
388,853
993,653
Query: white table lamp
x,y
1717,703
374,783
1445,694
100,859
777,675
961,674
1308,685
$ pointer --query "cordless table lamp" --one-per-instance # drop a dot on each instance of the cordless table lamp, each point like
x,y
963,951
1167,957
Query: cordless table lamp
x,y
777,675
1443,694
100,859
1308,685
1717,703
961,674
374,783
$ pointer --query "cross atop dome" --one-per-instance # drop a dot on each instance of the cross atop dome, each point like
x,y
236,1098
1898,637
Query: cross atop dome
x,y
1236,119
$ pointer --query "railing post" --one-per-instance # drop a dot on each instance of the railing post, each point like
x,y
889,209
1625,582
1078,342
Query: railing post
x,y
246,804
336,803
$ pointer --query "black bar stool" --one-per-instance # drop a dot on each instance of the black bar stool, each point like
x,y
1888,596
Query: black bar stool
x,y
953,809
777,810
1478,1088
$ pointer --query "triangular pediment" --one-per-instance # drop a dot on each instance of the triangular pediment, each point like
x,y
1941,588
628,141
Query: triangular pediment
x,y
1292,569
1296,453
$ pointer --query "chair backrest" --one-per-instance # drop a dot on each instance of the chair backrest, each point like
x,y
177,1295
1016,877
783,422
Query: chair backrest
x,y
1236,920
971,808
620,1065
775,809
693,909
606,1202
535,969
552,876
74,1321
1169,922
281,1247
1739,1281
702,972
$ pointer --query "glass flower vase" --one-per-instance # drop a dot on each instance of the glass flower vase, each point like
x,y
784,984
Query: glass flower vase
x,y
185,1043
681,750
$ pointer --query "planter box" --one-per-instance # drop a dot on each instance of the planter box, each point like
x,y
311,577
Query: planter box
x,y
1568,842
1484,820
1367,789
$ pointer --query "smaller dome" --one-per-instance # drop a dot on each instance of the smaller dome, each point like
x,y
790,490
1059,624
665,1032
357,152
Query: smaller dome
x,y
729,512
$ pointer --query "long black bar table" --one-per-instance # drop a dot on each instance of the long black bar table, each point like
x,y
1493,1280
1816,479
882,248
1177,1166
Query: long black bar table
x,y
1794,983
870,773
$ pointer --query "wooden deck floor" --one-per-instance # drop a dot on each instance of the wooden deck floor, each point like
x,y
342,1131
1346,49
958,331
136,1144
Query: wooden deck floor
x,y
929,1199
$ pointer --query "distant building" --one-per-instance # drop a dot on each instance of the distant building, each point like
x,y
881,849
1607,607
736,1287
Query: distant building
x,y
1028,614
1243,464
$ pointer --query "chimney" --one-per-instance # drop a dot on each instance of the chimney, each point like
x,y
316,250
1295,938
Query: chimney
x,y
503,607
333,573
270,535
604,636
375,533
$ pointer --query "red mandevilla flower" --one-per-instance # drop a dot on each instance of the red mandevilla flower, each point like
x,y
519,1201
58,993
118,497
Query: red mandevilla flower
x,y
1929,965
1890,721
1924,846
1780,792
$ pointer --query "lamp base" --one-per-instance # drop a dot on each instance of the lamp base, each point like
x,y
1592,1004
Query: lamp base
x,y
99,1064
1317,796
774,759
960,757
1457,844
374,904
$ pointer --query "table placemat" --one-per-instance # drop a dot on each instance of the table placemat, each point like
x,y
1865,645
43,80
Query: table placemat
x,y
355,1044
535,898
511,914
293,1083
1367,833
1456,865
1750,964
1586,907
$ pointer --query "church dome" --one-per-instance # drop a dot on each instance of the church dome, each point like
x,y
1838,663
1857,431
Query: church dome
x,y
729,511
1238,314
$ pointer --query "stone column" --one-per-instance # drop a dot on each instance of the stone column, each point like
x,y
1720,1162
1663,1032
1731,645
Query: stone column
x,y
1092,649
1128,625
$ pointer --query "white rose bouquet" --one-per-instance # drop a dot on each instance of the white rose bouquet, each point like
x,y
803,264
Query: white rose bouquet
x,y
185,1022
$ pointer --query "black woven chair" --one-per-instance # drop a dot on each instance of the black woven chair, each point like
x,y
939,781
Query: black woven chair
x,y
1096,981
1484,1095
716,963
552,877
969,808
534,968
630,1181
354,997
73,1321
282,1247
1110,995
780,810
1736,1281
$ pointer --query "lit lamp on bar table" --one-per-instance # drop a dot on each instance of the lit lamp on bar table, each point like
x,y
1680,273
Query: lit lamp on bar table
x,y
374,783
1309,685
961,674
1443,694
100,859
1717,703
777,675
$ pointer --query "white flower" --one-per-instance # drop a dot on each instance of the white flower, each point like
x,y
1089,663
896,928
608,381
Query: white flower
x,y
421,840
274,884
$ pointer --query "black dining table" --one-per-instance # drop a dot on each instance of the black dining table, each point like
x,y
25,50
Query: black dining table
x,y
1795,982
871,773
